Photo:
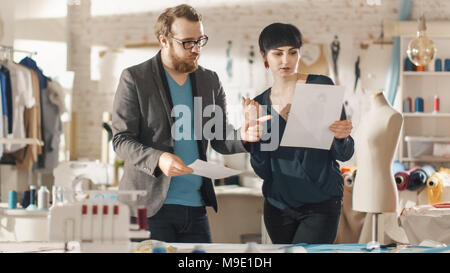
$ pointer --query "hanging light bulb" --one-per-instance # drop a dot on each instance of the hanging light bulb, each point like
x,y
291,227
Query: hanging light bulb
x,y
421,49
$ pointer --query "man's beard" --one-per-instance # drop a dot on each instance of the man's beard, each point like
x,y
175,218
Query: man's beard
x,y
182,66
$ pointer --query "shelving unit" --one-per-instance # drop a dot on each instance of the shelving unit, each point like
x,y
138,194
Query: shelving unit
x,y
426,115
426,159
426,73
427,126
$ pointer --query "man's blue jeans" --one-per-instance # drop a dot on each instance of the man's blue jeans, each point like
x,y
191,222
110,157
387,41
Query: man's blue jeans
x,y
179,224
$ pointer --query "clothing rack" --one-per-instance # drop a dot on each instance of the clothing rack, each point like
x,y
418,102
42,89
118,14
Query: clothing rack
x,y
7,53
11,50
31,141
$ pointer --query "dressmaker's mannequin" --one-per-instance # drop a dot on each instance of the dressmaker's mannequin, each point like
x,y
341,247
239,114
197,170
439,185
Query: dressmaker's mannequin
x,y
375,190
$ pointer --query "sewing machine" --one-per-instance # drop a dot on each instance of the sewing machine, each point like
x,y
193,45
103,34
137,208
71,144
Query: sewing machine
x,y
95,218
75,177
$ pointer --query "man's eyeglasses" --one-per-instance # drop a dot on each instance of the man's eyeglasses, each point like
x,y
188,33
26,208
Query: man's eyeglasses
x,y
190,44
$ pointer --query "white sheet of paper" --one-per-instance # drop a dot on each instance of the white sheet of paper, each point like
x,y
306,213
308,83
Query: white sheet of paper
x,y
211,170
314,108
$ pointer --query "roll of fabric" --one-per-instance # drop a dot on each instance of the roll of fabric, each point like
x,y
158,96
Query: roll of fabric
x,y
348,179
349,174
402,178
435,186
397,166
418,178
429,169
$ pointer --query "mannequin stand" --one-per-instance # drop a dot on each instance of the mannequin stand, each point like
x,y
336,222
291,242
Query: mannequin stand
x,y
374,244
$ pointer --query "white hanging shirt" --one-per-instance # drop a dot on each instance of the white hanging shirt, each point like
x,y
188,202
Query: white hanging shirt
x,y
22,96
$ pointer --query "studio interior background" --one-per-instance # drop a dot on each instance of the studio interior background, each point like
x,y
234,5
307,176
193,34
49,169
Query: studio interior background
x,y
83,46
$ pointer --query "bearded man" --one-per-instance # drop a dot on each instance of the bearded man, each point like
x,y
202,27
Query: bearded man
x,y
152,100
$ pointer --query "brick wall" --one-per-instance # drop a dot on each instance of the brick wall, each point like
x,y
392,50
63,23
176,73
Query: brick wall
x,y
241,22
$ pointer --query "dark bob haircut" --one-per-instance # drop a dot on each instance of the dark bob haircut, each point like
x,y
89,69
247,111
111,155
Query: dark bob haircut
x,y
279,34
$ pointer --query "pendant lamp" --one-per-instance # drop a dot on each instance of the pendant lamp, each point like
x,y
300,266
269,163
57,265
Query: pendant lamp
x,y
421,49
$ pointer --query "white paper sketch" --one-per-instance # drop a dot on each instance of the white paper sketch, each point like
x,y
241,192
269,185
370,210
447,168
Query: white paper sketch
x,y
211,170
314,108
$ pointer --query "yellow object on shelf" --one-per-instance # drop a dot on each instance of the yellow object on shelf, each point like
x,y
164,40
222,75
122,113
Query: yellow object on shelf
x,y
436,184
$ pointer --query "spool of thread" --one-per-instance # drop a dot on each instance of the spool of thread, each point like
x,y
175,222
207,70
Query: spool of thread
x,y
438,65
408,65
418,178
437,102
12,200
407,105
419,105
33,195
402,178
447,65
142,218
420,68
43,198
25,201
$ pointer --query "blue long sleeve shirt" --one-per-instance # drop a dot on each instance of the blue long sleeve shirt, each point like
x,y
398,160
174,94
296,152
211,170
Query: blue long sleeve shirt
x,y
295,176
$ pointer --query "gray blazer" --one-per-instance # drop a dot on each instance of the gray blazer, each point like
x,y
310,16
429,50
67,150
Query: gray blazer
x,y
141,125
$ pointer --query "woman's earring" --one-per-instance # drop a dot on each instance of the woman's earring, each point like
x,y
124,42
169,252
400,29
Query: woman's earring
x,y
266,64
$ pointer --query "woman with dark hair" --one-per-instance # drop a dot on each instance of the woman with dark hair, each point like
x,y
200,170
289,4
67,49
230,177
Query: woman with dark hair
x,y
303,187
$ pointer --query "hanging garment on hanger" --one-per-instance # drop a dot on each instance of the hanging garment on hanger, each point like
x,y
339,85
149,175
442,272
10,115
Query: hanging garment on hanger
x,y
51,126
6,100
38,118
57,94
22,97
30,63
27,156
52,130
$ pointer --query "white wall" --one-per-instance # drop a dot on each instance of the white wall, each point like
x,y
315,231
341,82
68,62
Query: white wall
x,y
7,18
26,9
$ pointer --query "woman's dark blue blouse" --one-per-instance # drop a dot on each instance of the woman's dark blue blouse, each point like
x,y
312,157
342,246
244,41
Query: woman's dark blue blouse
x,y
295,176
